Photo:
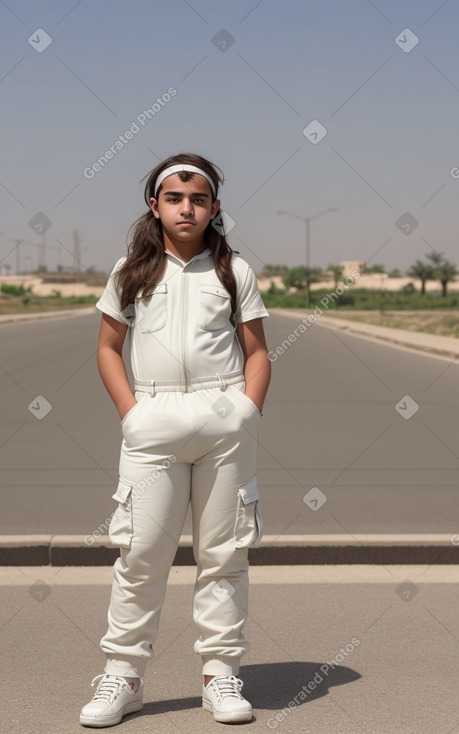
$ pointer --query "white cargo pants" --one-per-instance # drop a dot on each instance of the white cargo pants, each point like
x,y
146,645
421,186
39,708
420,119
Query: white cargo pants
x,y
181,447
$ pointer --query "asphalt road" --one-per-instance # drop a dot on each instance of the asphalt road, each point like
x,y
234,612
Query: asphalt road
x,y
330,428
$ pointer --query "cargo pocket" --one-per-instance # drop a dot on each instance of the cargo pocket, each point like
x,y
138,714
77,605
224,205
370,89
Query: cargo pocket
x,y
248,529
121,526
152,310
214,307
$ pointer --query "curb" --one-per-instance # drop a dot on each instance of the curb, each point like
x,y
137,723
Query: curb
x,y
40,315
431,344
434,348
75,550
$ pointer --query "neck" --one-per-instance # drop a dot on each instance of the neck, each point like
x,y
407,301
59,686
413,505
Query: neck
x,y
184,250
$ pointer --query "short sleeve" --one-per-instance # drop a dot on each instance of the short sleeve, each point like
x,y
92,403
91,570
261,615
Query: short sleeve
x,y
249,302
109,302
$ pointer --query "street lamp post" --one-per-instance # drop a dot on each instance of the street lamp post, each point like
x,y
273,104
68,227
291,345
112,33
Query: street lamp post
x,y
306,220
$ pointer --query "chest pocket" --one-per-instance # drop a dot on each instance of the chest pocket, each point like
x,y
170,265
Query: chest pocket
x,y
214,307
152,310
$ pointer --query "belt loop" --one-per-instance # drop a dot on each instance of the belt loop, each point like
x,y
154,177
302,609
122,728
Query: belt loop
x,y
153,389
222,382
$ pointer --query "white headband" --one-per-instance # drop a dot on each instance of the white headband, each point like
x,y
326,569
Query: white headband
x,y
182,167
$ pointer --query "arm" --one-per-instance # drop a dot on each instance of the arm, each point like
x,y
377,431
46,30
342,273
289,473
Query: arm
x,y
110,363
257,369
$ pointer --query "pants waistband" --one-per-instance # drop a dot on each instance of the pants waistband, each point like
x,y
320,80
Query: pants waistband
x,y
194,383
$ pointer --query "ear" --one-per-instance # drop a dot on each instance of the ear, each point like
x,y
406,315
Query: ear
x,y
214,209
154,207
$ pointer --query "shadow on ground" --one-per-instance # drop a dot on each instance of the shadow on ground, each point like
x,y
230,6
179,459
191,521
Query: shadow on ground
x,y
272,686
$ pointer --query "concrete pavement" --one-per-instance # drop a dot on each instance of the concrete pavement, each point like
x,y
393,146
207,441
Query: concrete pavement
x,y
335,650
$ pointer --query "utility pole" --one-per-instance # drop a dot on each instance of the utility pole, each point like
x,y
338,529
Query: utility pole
x,y
306,220
42,252
17,241
77,250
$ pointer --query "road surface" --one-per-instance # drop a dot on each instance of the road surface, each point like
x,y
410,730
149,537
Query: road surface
x,y
356,437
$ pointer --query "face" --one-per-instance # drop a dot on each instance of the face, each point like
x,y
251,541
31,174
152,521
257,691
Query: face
x,y
185,209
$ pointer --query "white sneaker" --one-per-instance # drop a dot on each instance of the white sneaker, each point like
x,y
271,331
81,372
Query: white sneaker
x,y
223,697
113,699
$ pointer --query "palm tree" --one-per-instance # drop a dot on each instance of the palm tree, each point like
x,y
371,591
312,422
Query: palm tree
x,y
301,277
436,258
446,273
422,271
337,271
443,270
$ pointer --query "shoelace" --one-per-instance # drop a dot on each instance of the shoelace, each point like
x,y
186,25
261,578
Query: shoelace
x,y
227,685
109,687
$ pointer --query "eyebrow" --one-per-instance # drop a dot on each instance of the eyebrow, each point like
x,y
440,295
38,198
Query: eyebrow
x,y
179,193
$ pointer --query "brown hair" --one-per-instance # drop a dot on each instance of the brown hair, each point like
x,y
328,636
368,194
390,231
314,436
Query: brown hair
x,y
146,259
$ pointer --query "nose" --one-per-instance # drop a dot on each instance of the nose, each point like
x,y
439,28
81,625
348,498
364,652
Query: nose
x,y
186,207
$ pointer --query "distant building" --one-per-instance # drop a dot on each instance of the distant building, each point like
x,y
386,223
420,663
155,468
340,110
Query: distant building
x,y
350,265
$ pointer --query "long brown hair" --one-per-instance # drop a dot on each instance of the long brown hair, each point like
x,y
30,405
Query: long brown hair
x,y
146,259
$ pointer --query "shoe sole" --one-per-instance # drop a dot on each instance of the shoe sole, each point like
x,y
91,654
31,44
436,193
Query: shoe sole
x,y
229,716
111,721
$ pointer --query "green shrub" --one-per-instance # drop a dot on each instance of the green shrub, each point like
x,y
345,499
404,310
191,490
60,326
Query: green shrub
x,y
361,299
13,290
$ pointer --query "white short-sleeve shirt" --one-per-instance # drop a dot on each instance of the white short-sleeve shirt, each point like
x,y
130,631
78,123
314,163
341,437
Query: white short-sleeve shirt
x,y
182,331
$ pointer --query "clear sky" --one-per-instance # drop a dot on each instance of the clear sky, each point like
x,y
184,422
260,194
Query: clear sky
x,y
249,78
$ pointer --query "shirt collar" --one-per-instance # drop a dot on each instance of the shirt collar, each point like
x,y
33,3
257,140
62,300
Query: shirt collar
x,y
199,256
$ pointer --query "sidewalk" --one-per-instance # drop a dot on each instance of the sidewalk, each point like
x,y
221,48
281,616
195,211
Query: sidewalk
x,y
334,650
17,317
440,346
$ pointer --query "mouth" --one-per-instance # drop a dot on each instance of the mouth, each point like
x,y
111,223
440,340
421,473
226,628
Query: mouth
x,y
185,224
